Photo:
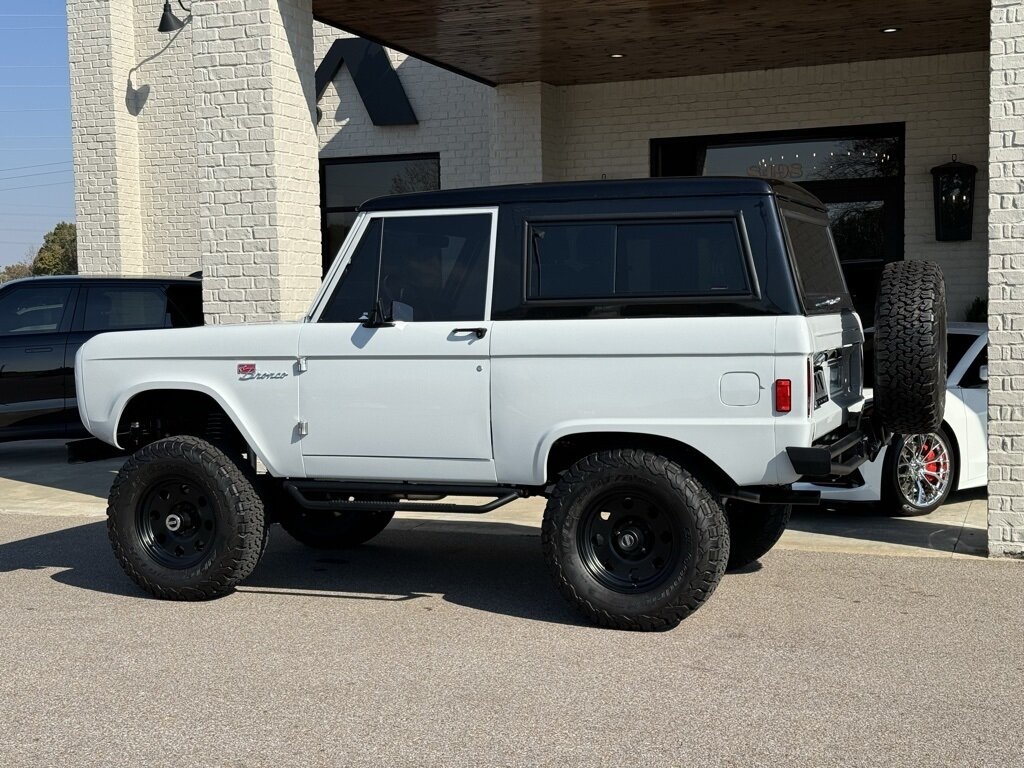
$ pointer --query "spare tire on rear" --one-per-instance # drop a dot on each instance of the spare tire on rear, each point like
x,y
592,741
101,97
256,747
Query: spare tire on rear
x,y
910,347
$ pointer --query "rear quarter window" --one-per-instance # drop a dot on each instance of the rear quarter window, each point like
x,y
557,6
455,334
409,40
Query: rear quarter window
x,y
819,275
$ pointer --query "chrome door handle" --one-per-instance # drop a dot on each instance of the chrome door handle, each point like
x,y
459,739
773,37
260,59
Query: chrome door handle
x,y
38,349
478,332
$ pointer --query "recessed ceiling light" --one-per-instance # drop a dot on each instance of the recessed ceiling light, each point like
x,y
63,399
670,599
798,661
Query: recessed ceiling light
x,y
889,30
617,55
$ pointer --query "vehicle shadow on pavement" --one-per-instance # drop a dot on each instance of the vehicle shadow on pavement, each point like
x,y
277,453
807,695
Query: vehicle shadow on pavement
x,y
866,522
498,573
81,553
44,463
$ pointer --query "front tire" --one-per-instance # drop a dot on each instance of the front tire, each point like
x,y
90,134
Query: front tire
x,y
919,473
184,520
633,540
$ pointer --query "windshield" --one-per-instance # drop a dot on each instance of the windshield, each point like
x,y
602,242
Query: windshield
x,y
819,276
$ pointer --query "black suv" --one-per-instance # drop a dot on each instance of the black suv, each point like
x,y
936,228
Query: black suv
x,y
43,322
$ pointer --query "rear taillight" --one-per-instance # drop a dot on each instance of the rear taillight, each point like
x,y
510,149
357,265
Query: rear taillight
x,y
783,395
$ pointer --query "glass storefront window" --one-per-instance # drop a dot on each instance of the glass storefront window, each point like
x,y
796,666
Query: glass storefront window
x,y
347,183
803,161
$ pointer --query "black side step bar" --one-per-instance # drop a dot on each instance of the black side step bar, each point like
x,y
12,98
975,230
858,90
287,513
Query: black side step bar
x,y
298,490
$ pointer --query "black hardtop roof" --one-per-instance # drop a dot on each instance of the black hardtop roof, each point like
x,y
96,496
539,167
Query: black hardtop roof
x,y
107,278
611,189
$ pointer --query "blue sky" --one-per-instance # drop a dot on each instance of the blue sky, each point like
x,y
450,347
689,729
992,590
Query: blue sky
x,y
36,181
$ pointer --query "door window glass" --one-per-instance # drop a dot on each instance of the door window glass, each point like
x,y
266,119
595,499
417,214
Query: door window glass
x,y
350,182
420,268
114,308
33,309
354,296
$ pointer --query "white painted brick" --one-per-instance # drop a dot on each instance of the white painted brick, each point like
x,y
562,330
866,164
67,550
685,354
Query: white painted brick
x,y
1005,275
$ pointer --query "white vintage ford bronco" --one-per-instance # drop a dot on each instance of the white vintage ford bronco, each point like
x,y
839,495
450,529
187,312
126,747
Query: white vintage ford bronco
x,y
662,359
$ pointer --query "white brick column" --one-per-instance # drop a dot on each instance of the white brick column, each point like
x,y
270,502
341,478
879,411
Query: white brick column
x,y
1006,282
259,189
526,133
105,137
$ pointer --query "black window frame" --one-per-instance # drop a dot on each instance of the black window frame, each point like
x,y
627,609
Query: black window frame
x,y
325,209
723,216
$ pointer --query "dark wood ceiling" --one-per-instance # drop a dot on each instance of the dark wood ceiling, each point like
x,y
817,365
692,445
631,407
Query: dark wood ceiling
x,y
567,42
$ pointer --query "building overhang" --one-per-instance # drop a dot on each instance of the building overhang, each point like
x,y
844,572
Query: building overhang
x,y
569,42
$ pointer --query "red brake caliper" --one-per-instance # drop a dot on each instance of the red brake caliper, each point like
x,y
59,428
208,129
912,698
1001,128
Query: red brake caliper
x,y
931,463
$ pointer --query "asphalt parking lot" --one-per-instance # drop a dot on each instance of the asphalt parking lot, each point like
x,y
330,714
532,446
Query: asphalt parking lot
x,y
441,642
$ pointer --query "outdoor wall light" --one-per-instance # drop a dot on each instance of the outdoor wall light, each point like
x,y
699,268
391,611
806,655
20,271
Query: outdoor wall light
x,y
168,21
954,200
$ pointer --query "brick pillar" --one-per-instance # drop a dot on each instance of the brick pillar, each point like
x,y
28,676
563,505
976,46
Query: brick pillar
x,y
1006,282
105,136
259,188
526,133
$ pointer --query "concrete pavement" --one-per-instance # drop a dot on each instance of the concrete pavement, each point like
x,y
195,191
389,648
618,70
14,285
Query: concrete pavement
x,y
442,642
427,647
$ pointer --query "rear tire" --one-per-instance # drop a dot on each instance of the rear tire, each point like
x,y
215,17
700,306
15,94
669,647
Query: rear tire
x,y
918,474
753,530
633,540
184,520
910,347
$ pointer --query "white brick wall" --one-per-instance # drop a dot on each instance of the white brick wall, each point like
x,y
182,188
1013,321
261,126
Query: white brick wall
x,y
943,100
259,221
168,175
1006,282
105,140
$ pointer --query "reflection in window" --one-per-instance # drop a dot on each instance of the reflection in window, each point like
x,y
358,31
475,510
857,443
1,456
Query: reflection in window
x,y
423,268
347,184
111,308
36,309
866,157
649,259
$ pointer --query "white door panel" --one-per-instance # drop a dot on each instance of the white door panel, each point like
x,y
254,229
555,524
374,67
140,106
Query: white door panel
x,y
415,390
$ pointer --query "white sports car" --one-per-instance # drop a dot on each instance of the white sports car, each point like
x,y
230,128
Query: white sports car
x,y
915,474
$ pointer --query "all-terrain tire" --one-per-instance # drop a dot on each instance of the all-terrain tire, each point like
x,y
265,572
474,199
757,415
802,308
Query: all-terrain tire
x,y
329,529
753,530
220,531
910,347
610,577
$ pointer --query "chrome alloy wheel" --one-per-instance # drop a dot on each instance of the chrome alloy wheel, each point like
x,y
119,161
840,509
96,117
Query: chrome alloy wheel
x,y
923,469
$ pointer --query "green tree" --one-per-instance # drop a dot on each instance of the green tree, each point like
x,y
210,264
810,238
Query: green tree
x,y
59,253
19,269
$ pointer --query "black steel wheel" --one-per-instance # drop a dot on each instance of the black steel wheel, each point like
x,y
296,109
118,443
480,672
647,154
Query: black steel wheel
x,y
176,523
184,519
628,542
633,540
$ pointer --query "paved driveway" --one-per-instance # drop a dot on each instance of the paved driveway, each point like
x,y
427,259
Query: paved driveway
x,y
443,643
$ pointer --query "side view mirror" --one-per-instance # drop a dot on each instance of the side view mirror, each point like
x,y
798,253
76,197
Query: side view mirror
x,y
983,372
379,317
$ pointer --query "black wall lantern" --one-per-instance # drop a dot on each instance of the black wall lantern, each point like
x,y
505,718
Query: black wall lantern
x,y
954,200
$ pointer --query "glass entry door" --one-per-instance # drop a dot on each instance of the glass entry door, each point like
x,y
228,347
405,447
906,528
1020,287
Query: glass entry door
x,y
856,171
